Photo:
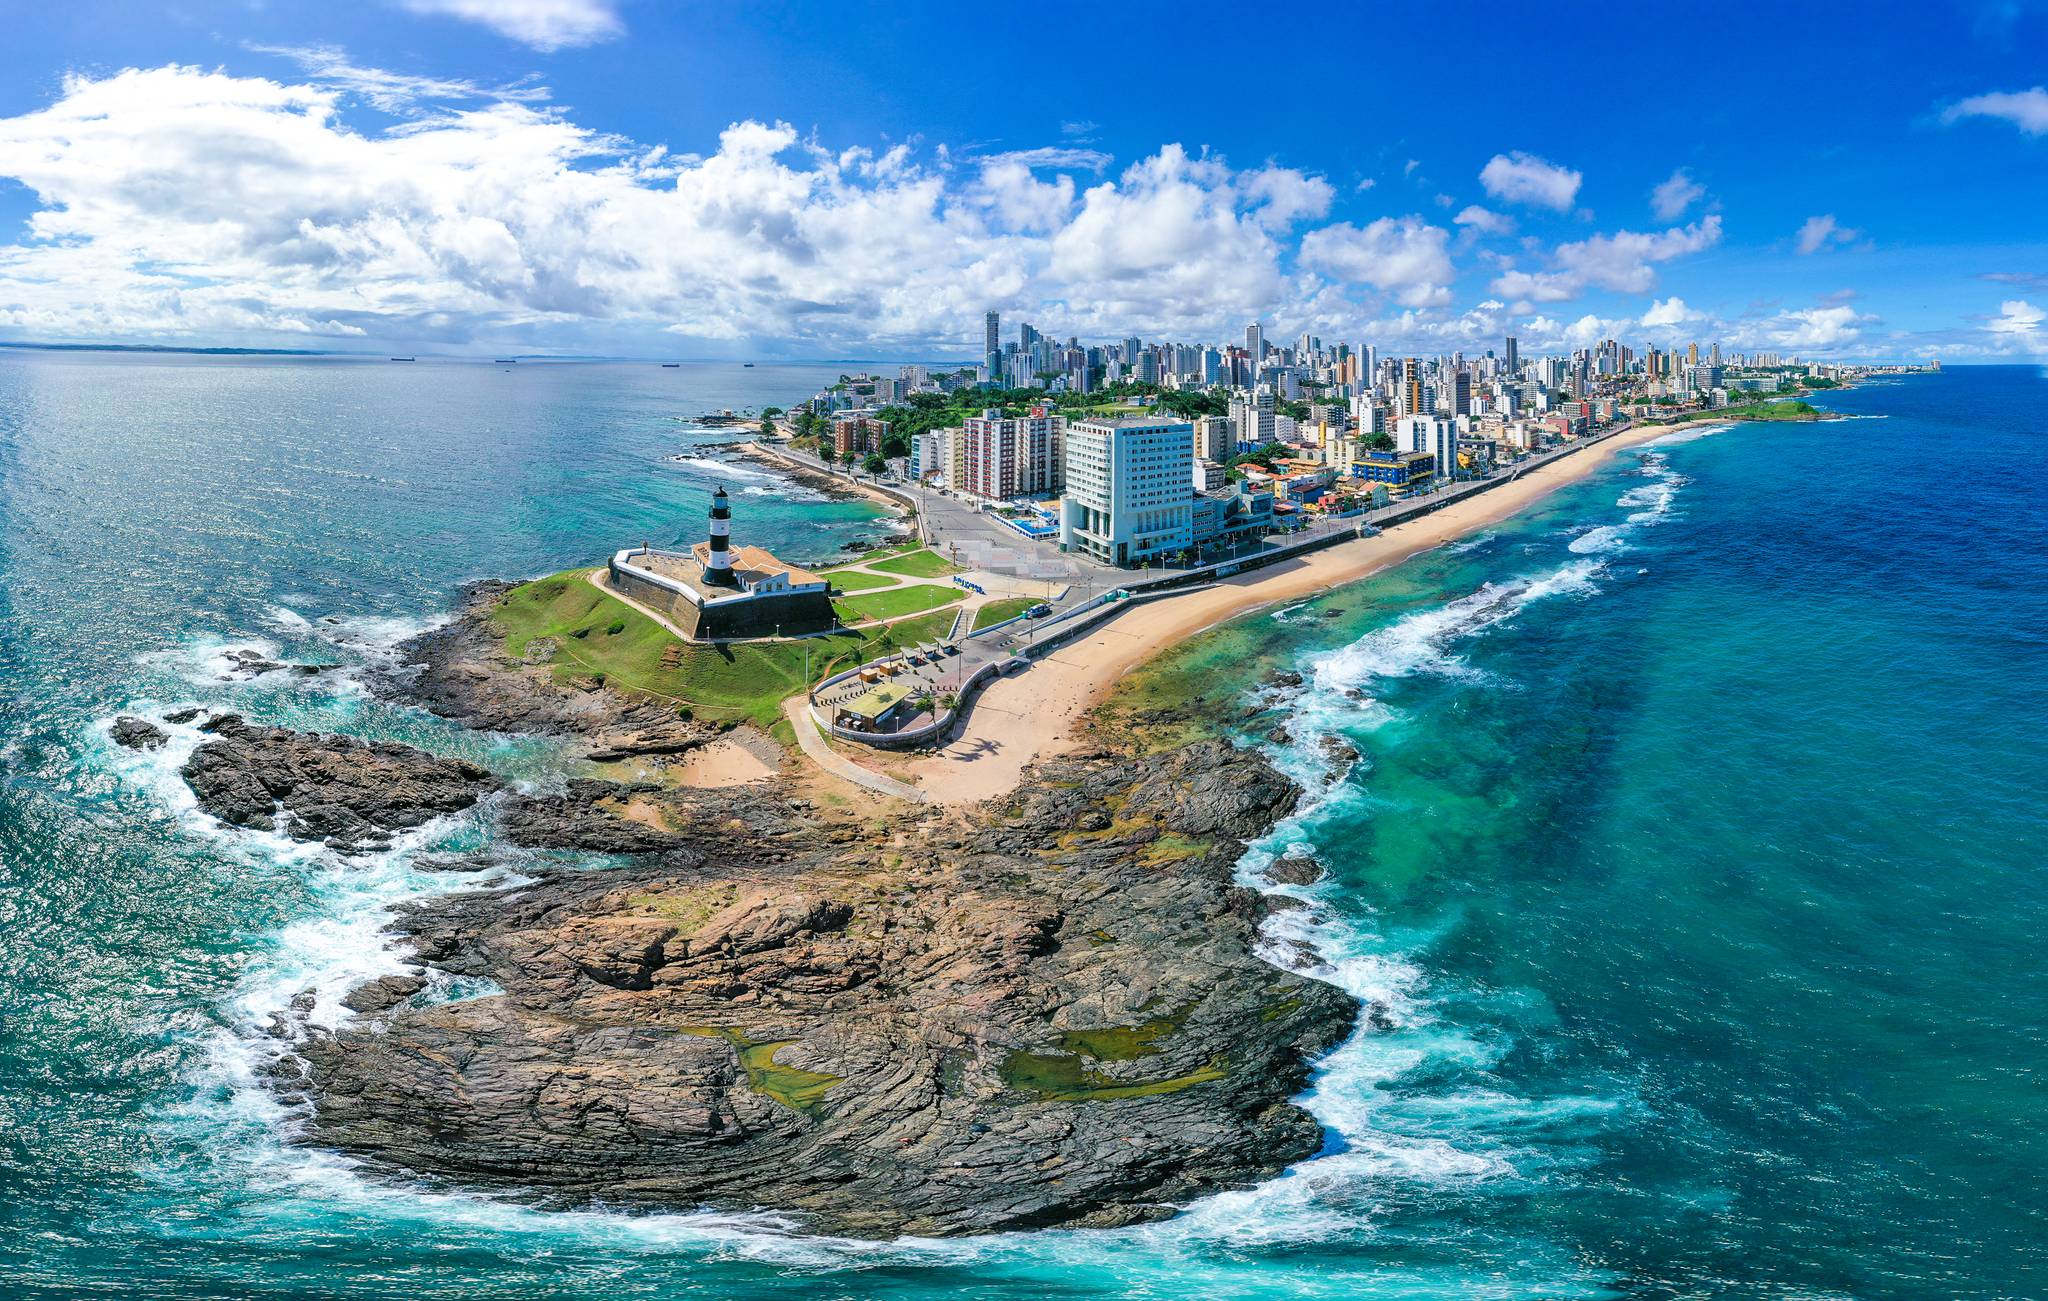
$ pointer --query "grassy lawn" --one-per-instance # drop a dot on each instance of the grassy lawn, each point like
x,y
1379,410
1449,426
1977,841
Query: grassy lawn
x,y
853,580
896,601
997,611
919,564
745,683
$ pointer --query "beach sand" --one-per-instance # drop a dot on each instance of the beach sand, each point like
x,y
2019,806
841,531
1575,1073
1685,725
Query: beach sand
x,y
1031,715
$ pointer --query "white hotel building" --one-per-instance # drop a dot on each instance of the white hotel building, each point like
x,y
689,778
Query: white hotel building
x,y
1129,492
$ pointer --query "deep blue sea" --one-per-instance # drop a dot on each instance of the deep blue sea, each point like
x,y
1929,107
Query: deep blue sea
x,y
1696,856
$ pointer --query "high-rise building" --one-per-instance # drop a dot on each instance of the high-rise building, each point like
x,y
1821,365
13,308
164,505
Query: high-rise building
x,y
1510,358
991,333
1215,438
1000,457
1433,434
1255,346
1414,398
1129,489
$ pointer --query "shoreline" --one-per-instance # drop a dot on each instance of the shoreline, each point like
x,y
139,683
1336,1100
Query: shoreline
x,y
1033,715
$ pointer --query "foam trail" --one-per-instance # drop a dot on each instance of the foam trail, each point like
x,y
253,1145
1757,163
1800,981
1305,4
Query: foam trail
x,y
723,469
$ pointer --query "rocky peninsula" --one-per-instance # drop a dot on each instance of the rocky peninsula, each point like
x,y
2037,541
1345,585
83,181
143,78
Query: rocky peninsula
x,y
1044,1011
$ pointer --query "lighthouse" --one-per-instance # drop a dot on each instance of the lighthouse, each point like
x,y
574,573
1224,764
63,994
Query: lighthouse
x,y
717,562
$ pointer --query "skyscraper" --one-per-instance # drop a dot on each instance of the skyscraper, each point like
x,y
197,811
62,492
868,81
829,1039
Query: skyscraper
x,y
1510,358
992,333
1255,346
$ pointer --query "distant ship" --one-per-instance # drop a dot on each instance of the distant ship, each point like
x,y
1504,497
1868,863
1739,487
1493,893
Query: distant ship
x,y
748,364
670,365
405,359
507,361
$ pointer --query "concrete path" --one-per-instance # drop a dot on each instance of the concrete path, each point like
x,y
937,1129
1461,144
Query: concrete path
x,y
799,714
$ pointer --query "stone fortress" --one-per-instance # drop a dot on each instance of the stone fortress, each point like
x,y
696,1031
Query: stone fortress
x,y
716,592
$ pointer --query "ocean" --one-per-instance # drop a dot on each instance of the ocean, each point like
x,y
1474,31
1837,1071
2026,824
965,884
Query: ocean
x,y
1692,858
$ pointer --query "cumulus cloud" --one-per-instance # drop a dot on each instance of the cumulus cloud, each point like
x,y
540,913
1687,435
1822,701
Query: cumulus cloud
x,y
1484,221
2025,109
1283,196
546,25
1405,257
1674,195
179,202
1623,262
1524,178
1822,232
1816,328
1668,312
2017,327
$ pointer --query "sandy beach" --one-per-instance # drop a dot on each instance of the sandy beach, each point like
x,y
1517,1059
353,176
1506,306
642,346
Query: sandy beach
x,y
1031,715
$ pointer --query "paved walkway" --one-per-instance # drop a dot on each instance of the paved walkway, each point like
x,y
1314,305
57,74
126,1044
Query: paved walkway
x,y
799,714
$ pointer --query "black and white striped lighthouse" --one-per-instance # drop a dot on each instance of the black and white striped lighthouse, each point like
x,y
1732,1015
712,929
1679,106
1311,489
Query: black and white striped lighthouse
x,y
718,564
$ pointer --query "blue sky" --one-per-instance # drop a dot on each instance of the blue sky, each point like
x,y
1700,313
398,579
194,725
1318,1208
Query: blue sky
x,y
826,180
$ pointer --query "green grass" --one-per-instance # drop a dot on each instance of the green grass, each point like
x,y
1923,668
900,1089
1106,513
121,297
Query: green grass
x,y
918,564
996,611
896,601
742,683
853,580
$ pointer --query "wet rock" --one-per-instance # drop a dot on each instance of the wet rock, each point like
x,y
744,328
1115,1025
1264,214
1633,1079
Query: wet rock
x,y
137,733
180,717
1296,867
311,786
1285,678
1339,752
382,993
1280,736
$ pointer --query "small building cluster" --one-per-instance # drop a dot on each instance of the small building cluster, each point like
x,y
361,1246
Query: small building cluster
x,y
718,592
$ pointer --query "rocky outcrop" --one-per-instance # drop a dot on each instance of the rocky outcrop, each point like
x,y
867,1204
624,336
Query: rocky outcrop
x,y
137,733
1047,1014
460,670
309,786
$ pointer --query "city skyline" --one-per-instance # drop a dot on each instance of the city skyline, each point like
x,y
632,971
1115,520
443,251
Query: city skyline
x,y
591,177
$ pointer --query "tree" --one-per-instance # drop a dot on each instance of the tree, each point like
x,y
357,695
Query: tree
x,y
849,456
1379,443
874,464
767,427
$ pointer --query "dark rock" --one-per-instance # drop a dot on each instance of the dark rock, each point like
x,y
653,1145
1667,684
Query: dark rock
x,y
351,794
1285,678
1279,736
1295,867
1340,752
137,733
382,993
180,717
589,815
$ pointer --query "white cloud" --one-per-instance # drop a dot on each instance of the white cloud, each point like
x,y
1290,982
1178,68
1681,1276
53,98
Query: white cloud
x,y
543,24
1668,312
1822,232
1283,196
393,92
2017,327
1623,262
1816,328
1484,221
183,203
1093,160
1674,195
1406,258
1524,178
2025,109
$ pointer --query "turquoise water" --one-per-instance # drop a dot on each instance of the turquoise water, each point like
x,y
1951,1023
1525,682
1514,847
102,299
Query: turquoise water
x,y
1693,857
